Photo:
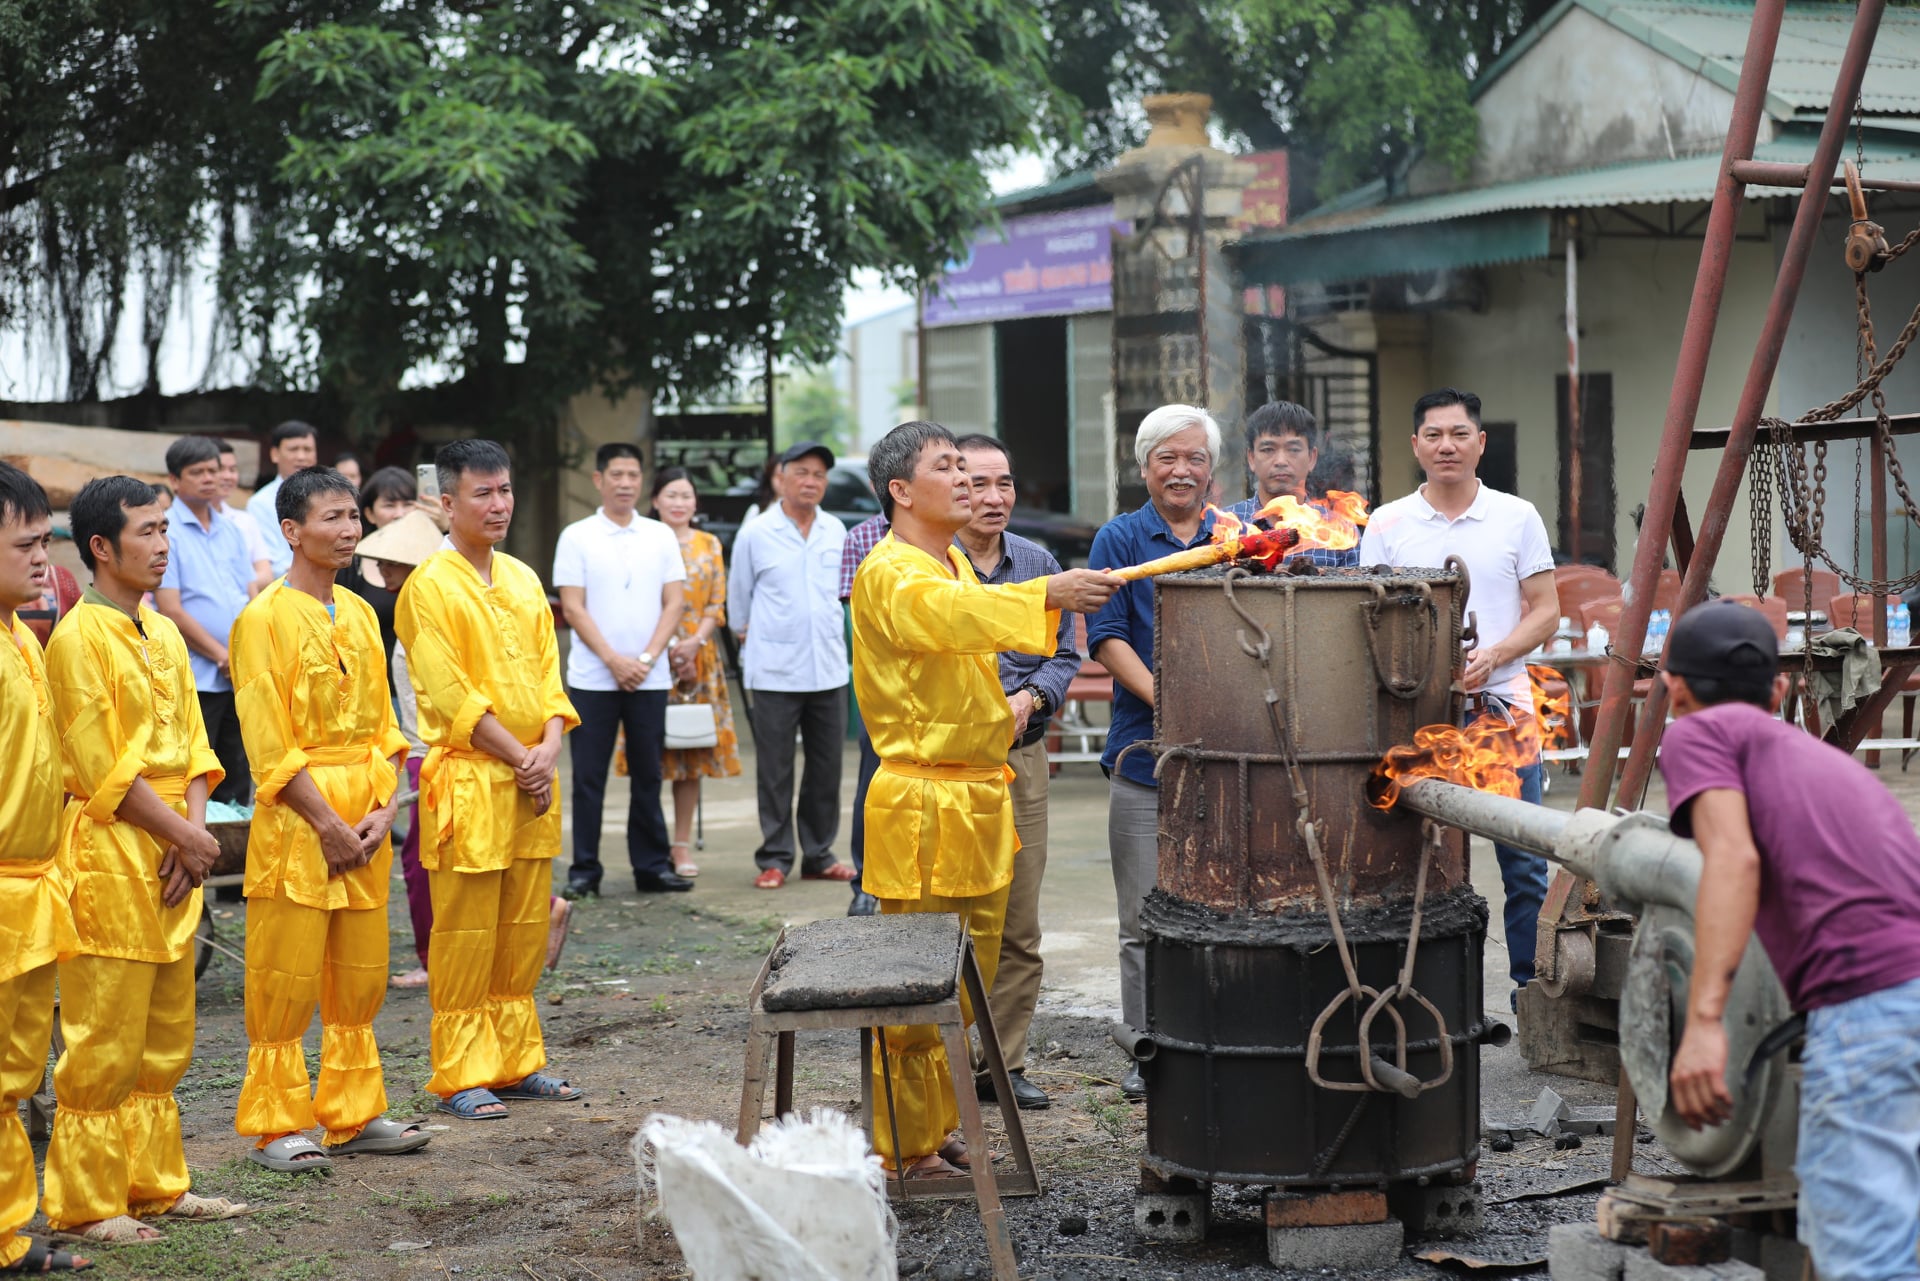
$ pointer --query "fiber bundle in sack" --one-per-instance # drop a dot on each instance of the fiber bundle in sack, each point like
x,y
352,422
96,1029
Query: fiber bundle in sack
x,y
806,1202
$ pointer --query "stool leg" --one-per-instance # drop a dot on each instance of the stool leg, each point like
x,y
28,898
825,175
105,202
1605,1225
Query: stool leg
x,y
866,1082
783,1074
993,1219
997,1071
753,1088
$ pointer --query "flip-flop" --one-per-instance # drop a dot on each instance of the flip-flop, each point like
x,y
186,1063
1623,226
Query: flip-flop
x,y
383,1137
283,1154
206,1209
842,872
121,1229
934,1166
539,1087
466,1104
954,1153
40,1260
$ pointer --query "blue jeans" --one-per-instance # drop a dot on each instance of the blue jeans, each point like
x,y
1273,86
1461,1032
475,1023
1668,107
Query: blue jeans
x,y
1524,876
1859,1161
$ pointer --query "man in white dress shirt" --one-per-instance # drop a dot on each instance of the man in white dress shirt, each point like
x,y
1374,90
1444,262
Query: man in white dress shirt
x,y
1512,596
292,446
783,601
622,588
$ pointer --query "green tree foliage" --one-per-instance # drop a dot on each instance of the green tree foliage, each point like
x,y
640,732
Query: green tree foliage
x,y
534,197
1352,87
808,405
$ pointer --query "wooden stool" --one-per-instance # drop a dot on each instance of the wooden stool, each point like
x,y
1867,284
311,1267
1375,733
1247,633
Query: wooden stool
x,y
872,972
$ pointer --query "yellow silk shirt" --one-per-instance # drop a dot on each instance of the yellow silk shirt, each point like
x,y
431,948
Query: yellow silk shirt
x,y
925,638
473,649
36,925
311,693
124,702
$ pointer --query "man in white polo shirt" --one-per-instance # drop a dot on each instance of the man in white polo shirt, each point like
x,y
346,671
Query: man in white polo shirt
x,y
620,578
1512,596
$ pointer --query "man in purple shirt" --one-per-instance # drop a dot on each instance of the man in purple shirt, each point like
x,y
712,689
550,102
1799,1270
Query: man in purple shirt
x,y
1800,843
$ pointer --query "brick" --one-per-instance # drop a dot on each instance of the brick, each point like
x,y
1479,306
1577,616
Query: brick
x,y
1172,1220
1577,1252
1325,1209
1438,1210
1671,1242
1359,1245
1642,1266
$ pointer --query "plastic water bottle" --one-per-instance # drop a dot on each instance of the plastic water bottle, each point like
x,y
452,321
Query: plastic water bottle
x,y
1899,625
1656,640
1597,639
1564,637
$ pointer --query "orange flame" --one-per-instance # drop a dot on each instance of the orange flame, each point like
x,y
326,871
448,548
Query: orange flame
x,y
1552,705
1331,523
1486,756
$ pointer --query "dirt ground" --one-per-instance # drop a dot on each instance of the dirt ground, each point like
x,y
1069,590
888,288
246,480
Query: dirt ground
x,y
646,1012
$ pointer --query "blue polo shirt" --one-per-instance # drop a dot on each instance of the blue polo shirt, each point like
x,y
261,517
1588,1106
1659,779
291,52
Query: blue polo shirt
x,y
1131,539
211,567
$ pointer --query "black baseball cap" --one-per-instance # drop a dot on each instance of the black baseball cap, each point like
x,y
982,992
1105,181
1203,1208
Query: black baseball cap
x,y
805,448
1723,640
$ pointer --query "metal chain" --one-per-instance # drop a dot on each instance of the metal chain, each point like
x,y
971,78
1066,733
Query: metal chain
x,y
1760,505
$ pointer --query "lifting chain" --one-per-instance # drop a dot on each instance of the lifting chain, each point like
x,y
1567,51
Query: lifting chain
x,y
1382,1076
1783,461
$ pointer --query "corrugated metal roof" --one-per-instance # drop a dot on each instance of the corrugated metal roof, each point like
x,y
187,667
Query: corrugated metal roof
x,y
1656,182
1711,37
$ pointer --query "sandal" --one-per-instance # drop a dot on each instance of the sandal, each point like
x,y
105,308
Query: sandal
x,y
206,1209
41,1259
934,1166
121,1229
688,868
954,1153
291,1154
540,1087
771,879
836,871
466,1104
383,1137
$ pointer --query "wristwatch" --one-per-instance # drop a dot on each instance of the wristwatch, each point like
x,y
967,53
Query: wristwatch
x,y
646,658
1042,705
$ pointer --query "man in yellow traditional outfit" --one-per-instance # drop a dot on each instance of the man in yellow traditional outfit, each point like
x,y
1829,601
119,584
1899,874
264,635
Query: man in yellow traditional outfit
x,y
137,773
309,675
484,663
36,924
939,817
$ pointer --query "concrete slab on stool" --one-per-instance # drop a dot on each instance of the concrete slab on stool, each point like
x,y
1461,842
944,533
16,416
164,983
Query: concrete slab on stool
x,y
846,962
1577,1252
1359,1245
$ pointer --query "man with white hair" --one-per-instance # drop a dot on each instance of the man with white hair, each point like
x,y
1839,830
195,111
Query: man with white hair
x,y
1177,447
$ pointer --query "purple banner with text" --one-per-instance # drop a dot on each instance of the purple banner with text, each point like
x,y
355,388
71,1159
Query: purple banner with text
x,y
1053,264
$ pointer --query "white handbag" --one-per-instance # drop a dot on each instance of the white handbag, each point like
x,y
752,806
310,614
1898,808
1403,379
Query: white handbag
x,y
691,725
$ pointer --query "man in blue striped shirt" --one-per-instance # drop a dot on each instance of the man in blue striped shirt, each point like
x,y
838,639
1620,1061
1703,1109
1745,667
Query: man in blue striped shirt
x,y
1035,687
1283,448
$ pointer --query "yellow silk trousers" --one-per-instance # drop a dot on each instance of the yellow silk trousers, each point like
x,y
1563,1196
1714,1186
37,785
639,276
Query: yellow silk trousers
x,y
924,1108
26,1027
297,957
488,944
116,1136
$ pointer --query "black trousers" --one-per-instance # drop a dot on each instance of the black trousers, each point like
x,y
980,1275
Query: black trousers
x,y
820,718
643,713
223,736
869,766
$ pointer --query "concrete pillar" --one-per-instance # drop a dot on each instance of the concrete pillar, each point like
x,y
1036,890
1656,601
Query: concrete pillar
x,y
1178,323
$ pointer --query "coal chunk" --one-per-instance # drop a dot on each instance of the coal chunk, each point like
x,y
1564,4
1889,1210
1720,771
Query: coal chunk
x,y
1073,1225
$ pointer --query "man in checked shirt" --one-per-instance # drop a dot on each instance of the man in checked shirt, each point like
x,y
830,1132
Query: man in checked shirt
x,y
861,539
1035,686
1283,448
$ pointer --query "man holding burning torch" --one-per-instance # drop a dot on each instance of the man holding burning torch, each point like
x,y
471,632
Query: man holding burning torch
x,y
1802,845
1503,543
925,639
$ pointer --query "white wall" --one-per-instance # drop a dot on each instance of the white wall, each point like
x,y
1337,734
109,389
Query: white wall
x,y
879,356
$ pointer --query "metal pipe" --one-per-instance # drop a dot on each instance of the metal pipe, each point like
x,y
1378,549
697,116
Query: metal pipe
x,y
1524,826
1683,402
1779,173
1753,398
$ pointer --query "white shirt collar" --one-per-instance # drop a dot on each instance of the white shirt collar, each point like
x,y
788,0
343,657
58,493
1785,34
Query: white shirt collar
x,y
1476,510
615,527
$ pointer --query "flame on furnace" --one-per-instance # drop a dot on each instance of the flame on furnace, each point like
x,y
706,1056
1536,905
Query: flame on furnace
x,y
1488,754
1336,528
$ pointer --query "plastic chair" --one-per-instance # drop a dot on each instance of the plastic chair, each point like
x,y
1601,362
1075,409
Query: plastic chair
x,y
1774,607
1790,585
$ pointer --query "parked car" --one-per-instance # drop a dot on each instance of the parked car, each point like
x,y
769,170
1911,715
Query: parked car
x,y
850,496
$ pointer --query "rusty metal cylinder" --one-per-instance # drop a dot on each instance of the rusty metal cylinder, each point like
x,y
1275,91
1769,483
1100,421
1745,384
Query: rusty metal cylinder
x,y
1267,1069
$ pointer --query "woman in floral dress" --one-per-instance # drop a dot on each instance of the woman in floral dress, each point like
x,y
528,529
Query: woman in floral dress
x,y
698,676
